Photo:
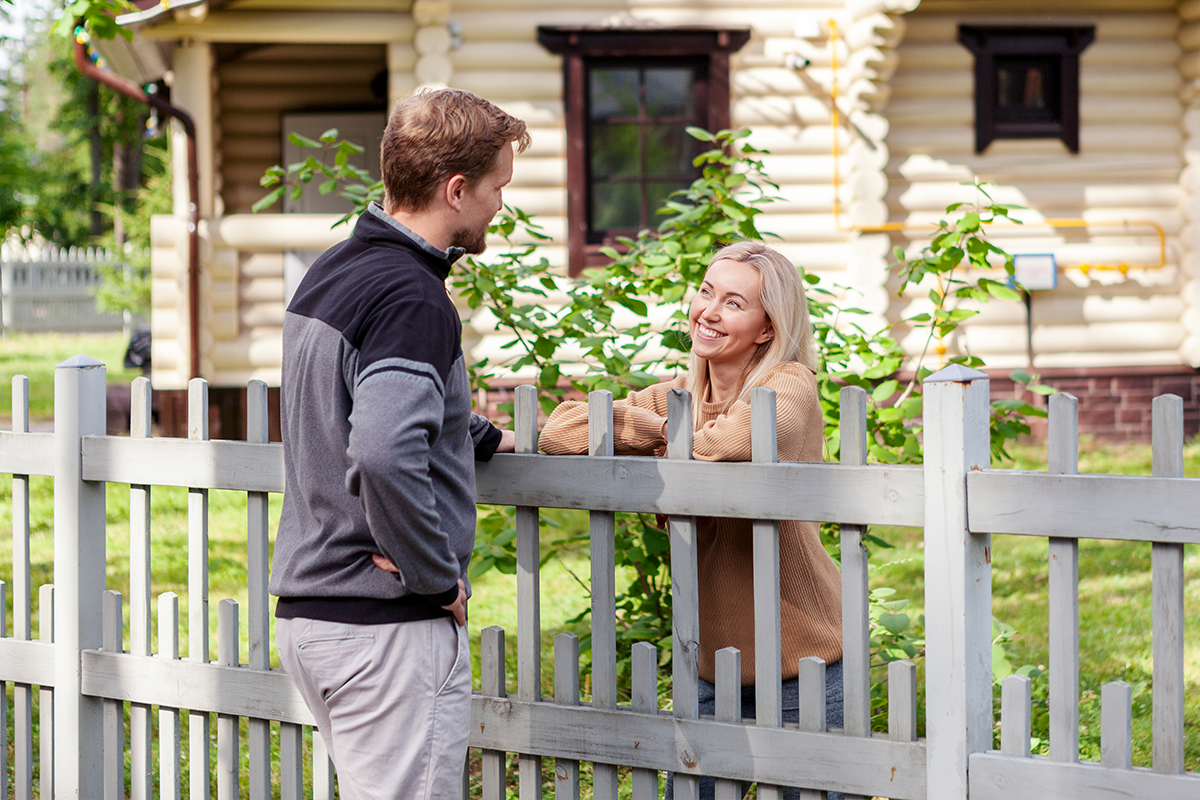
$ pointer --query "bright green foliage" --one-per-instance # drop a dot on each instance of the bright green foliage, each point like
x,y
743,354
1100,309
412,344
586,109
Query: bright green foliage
x,y
349,181
610,333
99,16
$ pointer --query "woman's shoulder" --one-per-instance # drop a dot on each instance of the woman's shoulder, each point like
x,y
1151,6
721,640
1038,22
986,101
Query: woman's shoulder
x,y
785,370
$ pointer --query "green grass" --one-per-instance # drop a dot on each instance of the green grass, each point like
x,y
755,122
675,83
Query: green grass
x,y
35,355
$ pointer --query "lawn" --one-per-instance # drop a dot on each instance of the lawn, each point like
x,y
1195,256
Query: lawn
x,y
1114,576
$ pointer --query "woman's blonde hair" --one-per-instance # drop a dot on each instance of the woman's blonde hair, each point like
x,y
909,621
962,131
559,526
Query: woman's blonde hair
x,y
786,306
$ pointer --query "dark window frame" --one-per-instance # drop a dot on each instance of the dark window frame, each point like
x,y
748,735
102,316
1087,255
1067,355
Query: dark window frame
x,y
581,45
996,45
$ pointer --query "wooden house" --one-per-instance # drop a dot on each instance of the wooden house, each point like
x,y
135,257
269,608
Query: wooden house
x,y
874,113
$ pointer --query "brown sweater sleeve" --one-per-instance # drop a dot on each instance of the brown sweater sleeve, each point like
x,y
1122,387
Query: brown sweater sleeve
x,y
637,424
727,437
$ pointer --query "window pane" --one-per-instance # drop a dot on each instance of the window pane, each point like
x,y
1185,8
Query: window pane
x,y
656,193
614,149
669,92
614,93
668,150
1027,89
615,205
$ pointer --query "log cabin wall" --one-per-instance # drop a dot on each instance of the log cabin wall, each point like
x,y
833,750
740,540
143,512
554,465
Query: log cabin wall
x,y
1128,168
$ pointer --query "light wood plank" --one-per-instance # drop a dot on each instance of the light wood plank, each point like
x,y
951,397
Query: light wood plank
x,y
685,589
566,693
1116,725
1063,583
168,713
228,730
46,694
27,662
644,686
902,701
856,633
1015,716
602,525
1125,507
291,761
958,583
27,453
873,766
997,777
114,710
22,693
768,648
199,724
219,464
323,775
812,707
491,683
529,602
874,495
141,766
728,687
1167,584
258,731
210,688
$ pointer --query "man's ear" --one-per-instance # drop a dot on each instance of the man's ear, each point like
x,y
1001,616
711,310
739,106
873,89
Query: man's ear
x,y
456,189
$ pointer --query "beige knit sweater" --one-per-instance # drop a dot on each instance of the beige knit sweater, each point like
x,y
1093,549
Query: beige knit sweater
x,y
809,582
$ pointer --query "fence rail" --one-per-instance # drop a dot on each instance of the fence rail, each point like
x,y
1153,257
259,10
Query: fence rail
x,y
53,289
85,673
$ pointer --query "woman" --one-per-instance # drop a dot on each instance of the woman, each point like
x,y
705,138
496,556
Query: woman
x,y
749,326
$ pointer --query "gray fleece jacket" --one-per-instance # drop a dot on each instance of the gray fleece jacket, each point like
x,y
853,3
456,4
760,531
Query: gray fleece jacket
x,y
378,436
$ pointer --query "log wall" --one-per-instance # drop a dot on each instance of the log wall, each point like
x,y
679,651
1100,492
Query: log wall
x,y
1128,169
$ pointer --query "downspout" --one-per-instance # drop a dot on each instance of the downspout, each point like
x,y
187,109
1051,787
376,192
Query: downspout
x,y
131,89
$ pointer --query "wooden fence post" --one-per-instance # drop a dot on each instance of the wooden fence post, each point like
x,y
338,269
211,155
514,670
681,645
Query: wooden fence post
x,y
958,582
79,567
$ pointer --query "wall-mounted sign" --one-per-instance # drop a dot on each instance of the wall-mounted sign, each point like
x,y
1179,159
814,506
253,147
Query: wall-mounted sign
x,y
1036,272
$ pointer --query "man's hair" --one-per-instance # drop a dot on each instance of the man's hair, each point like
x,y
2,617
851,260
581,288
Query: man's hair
x,y
433,135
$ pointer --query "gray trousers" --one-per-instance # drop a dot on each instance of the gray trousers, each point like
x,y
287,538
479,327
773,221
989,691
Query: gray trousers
x,y
791,713
392,702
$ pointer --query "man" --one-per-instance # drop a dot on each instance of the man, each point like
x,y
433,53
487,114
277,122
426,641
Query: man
x,y
378,518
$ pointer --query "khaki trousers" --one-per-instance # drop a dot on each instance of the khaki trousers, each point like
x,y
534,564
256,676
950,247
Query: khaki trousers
x,y
392,702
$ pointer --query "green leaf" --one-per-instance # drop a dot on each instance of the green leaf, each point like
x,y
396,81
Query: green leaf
x,y
303,141
1001,292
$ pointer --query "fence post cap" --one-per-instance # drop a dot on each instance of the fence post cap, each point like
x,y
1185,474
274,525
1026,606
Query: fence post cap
x,y
79,362
956,373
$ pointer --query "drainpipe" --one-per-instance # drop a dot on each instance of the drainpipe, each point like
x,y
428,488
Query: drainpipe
x,y
131,89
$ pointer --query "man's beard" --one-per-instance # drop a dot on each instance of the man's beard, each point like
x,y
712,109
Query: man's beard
x,y
473,241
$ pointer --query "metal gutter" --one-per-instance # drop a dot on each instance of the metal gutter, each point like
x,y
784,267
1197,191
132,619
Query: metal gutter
x,y
131,89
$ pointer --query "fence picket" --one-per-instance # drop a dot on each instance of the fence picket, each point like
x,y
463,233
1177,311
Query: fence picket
x,y
566,693
1015,713
200,763
491,684
1063,586
812,706
768,697
141,767
1167,583
258,731
685,588
529,602
46,617
323,777
228,729
22,630
1116,725
291,761
644,687
114,710
728,708
856,629
3,700
602,527
168,718
902,701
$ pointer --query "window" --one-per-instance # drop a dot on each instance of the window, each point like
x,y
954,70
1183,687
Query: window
x,y
629,95
1026,82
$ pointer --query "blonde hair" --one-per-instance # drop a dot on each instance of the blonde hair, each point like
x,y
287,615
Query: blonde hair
x,y
435,134
786,306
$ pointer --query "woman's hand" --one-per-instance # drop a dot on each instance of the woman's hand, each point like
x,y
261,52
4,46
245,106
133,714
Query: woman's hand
x,y
508,442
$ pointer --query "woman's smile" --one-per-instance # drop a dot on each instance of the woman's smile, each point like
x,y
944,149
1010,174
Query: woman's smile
x,y
727,319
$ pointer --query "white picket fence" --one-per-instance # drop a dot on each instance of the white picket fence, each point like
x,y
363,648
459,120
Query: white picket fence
x,y
53,289
85,674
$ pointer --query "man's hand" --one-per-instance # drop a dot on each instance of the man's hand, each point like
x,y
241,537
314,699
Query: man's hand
x,y
508,442
458,608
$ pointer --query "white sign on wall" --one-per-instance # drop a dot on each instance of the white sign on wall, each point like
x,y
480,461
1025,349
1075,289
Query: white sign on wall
x,y
1036,272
